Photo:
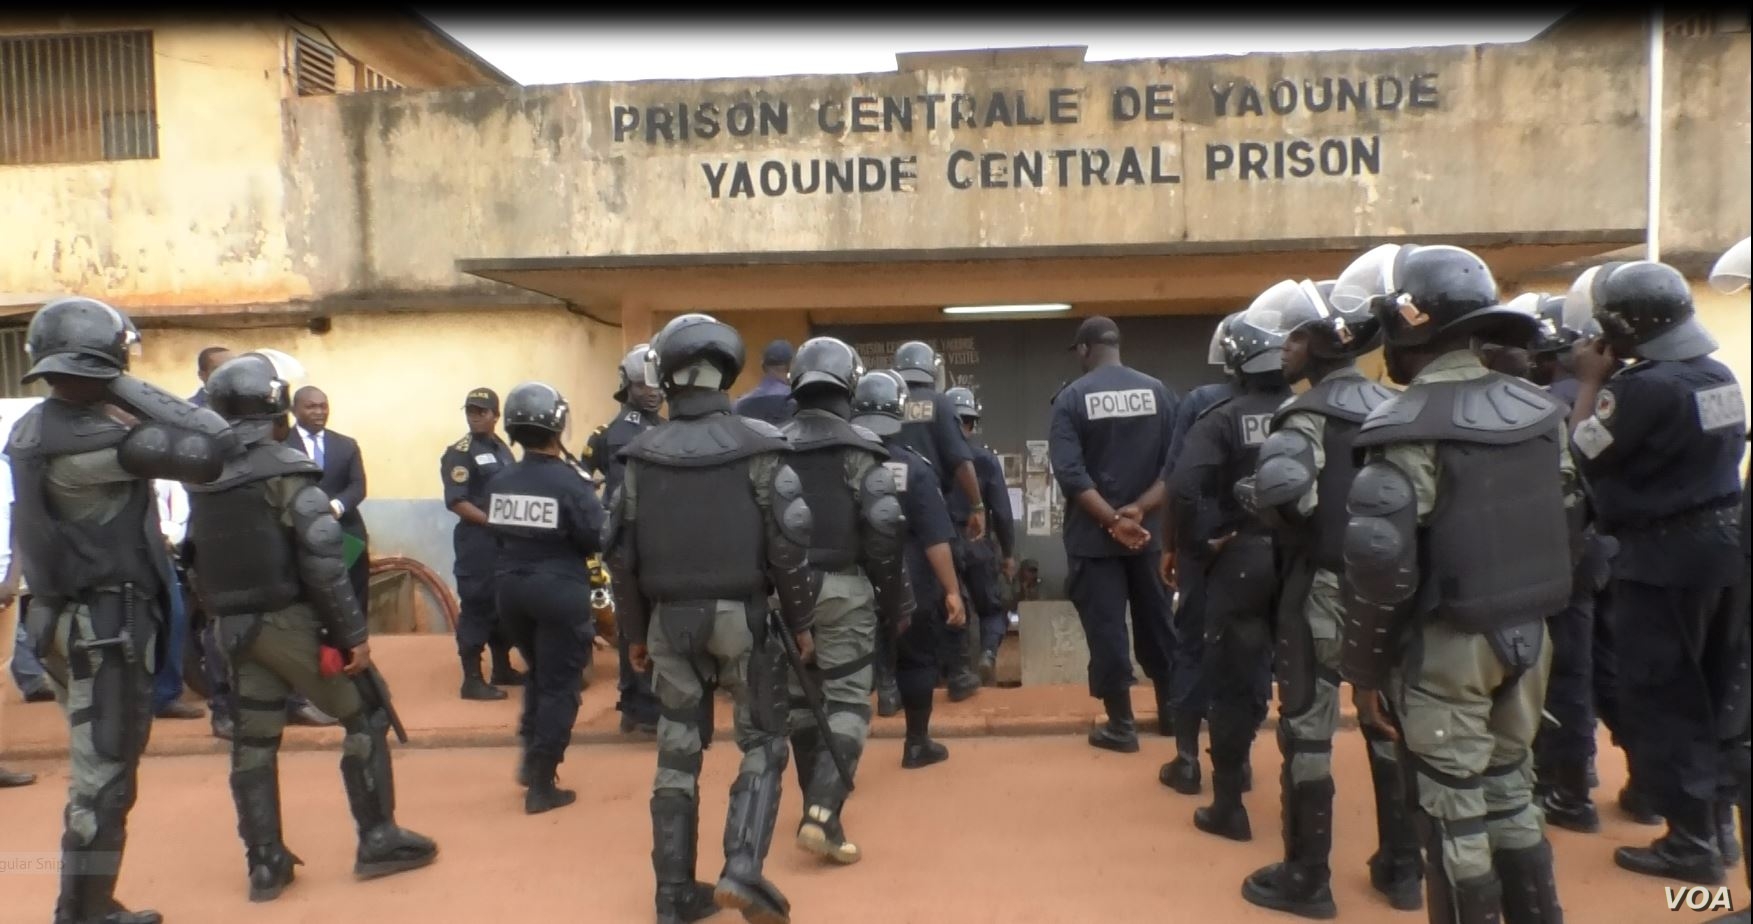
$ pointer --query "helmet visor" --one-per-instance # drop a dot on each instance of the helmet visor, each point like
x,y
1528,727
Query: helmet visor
x,y
1367,278
1732,268
1215,354
1286,306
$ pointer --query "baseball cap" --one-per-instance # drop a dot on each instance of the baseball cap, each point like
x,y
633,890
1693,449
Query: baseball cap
x,y
1096,329
778,353
483,398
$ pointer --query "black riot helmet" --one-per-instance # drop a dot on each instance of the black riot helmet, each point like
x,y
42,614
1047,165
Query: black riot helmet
x,y
876,401
79,337
967,408
825,362
695,351
537,406
917,363
1244,348
249,387
1644,309
1291,305
1553,335
1424,292
632,369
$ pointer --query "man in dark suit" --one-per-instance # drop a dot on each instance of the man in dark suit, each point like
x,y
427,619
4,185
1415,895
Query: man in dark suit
x,y
344,482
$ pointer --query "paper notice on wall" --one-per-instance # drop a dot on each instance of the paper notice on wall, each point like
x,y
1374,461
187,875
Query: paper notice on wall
x,y
1040,524
1038,501
1016,504
1036,460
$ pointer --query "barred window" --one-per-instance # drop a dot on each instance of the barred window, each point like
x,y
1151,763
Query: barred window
x,y
313,66
370,80
77,97
14,363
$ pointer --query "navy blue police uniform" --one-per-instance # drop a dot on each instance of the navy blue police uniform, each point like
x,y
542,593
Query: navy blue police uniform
x,y
928,524
1110,431
466,467
637,703
984,578
548,521
1662,453
932,430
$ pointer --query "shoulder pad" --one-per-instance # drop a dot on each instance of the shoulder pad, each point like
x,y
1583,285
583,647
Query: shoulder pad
x,y
1287,468
26,434
706,441
814,431
791,513
1215,405
869,436
1356,398
1402,408
259,463
462,445
1499,403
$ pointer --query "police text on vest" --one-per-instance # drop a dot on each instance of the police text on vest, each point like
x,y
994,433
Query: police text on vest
x,y
1133,402
523,510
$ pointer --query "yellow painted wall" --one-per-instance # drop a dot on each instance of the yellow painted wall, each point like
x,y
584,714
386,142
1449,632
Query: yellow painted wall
x,y
201,224
396,381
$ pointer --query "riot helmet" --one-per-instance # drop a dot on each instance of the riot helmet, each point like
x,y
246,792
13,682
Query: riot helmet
x,y
535,406
825,362
250,386
80,337
877,399
1552,335
1644,309
917,363
632,369
1290,306
1730,273
1420,293
695,351
1243,348
967,408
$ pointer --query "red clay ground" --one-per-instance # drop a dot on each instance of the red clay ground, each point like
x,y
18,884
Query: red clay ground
x,y
1012,829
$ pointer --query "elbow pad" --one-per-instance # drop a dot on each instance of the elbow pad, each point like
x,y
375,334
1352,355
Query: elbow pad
x,y
632,613
1381,570
1284,477
884,533
322,568
158,450
788,546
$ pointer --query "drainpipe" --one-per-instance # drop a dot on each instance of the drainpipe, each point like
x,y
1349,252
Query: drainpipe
x,y
1653,242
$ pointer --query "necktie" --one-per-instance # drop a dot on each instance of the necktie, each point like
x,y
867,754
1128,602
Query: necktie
x,y
316,443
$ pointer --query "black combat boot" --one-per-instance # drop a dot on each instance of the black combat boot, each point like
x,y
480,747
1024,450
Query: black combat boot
x,y
1301,884
1397,867
1566,800
270,864
806,744
89,873
1688,852
504,675
1226,816
1530,893
1120,732
1182,773
384,848
919,750
963,681
473,686
1478,900
824,798
1725,833
748,832
543,795
675,829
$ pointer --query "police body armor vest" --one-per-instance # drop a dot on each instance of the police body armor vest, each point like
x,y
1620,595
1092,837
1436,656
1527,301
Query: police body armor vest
x,y
1250,415
701,535
63,559
1344,401
821,444
245,560
1496,548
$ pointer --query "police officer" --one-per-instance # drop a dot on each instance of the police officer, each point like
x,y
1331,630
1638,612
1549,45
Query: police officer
x,y
466,467
86,527
1451,579
1661,443
1233,553
638,413
1184,711
1730,275
879,404
548,521
708,519
1305,471
1564,749
931,429
273,574
858,529
990,560
1107,439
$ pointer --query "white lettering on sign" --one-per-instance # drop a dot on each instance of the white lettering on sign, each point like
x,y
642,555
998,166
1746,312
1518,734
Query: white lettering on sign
x,y
899,471
1720,407
524,510
1255,428
1133,402
1698,898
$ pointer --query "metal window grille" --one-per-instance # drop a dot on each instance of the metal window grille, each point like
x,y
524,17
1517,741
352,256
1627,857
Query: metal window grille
x,y
77,97
313,66
14,362
1695,26
370,80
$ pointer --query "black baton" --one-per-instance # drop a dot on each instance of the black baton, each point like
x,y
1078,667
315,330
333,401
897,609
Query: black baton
x,y
811,694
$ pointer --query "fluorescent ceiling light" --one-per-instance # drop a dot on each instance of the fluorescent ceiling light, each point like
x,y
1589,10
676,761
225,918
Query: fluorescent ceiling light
x,y
1005,309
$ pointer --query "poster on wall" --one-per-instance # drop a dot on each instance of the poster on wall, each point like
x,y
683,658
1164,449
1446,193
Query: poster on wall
x,y
1037,461
1016,503
1055,507
1038,522
1012,463
1037,500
